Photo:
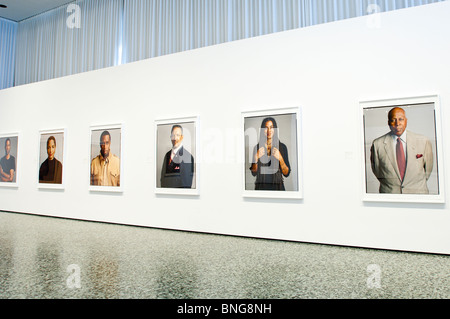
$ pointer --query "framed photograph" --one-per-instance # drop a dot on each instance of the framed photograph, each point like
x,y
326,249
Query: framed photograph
x,y
402,150
177,149
52,152
272,153
9,153
106,159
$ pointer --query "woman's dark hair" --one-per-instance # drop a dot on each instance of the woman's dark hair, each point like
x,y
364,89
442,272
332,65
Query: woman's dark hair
x,y
262,137
51,138
267,119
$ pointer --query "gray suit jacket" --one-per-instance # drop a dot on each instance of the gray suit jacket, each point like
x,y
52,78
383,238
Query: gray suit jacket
x,y
419,164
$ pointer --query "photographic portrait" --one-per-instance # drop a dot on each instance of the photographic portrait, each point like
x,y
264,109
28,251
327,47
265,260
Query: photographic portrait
x,y
105,167
8,159
176,156
51,158
401,150
272,154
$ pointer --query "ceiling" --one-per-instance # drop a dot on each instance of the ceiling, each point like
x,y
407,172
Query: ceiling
x,y
19,10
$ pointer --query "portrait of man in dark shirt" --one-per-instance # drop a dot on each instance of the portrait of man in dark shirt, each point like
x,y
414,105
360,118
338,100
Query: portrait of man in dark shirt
x,y
8,164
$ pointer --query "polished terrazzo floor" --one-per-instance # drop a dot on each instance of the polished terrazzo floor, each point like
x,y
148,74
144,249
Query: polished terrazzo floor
x,y
43,257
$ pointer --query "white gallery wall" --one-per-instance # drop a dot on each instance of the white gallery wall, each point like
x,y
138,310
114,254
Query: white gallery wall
x,y
326,70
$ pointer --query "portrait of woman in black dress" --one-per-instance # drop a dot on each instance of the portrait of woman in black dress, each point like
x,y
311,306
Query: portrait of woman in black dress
x,y
270,158
51,169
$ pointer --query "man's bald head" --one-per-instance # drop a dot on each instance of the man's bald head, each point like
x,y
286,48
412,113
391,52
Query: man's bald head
x,y
397,121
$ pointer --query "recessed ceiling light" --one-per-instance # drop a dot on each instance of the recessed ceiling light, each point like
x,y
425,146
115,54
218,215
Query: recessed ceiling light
x,y
3,6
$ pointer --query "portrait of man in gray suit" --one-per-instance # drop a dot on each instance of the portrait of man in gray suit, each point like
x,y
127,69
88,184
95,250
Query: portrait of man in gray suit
x,y
401,160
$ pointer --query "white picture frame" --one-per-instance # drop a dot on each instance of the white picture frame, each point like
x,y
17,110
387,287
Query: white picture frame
x,y
423,118
190,126
60,137
117,133
290,133
14,151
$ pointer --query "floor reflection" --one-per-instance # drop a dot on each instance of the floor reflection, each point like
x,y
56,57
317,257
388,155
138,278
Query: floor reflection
x,y
103,275
177,279
47,276
6,264
37,255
